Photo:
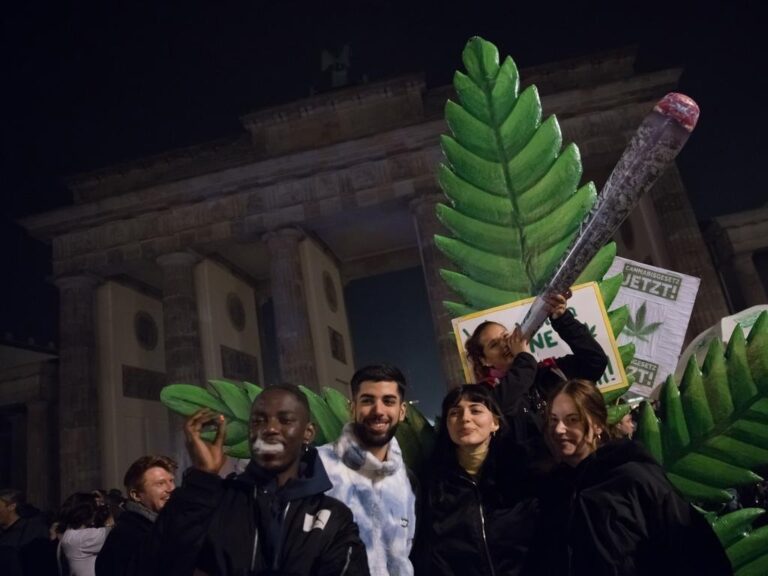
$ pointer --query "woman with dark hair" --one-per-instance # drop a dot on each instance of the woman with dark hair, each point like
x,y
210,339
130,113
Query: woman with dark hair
x,y
501,360
479,514
84,525
609,508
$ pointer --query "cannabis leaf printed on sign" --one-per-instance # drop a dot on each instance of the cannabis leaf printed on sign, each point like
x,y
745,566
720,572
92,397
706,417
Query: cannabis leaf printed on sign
x,y
637,329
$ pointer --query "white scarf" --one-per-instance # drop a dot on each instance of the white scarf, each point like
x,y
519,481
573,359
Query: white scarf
x,y
357,458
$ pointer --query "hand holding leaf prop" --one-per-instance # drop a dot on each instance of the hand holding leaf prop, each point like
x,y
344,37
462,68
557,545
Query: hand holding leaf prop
x,y
656,143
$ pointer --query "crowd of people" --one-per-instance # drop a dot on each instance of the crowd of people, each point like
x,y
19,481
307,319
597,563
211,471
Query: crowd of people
x,y
526,478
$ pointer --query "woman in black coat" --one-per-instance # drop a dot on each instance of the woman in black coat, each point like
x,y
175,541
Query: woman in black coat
x,y
479,515
609,509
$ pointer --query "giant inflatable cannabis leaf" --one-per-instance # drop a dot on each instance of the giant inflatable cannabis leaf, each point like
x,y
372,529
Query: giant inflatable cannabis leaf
x,y
713,430
516,203
515,197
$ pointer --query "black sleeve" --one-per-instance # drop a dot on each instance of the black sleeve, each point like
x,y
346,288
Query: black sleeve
x,y
419,555
110,559
588,361
182,526
516,383
346,555
126,551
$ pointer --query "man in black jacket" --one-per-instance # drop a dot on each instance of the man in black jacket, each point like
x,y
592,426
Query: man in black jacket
x,y
24,543
272,519
149,482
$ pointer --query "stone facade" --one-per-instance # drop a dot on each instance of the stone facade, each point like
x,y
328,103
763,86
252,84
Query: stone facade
x,y
327,166
29,411
736,241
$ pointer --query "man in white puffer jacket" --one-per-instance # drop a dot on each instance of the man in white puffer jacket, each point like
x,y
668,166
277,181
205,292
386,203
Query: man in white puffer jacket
x,y
368,474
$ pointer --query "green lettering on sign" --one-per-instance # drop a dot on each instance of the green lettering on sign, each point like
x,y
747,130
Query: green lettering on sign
x,y
643,371
651,282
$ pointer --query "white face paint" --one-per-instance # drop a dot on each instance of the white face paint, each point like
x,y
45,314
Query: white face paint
x,y
261,447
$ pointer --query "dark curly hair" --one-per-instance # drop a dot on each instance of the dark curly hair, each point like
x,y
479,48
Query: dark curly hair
x,y
82,510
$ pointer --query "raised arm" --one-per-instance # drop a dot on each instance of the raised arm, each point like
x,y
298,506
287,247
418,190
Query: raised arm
x,y
520,377
587,361
182,526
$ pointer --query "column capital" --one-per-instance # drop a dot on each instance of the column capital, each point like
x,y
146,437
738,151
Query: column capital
x,y
76,281
283,236
426,201
178,259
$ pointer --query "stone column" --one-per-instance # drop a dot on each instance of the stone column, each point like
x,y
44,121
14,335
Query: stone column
x,y
748,280
687,250
39,474
79,433
183,353
427,225
292,325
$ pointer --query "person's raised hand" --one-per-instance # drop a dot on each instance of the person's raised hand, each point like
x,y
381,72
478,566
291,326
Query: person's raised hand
x,y
558,304
205,456
516,342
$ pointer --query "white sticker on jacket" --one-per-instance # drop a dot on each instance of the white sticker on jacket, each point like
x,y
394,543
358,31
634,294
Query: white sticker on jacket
x,y
316,522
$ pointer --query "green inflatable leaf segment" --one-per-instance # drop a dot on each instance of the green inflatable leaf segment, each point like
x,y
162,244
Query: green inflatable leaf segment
x,y
516,201
712,431
746,546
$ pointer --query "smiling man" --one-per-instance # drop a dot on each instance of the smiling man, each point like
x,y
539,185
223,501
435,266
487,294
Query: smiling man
x,y
274,518
149,482
366,468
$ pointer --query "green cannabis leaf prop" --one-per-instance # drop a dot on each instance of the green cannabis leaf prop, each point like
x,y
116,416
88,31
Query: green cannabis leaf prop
x,y
329,412
516,203
713,429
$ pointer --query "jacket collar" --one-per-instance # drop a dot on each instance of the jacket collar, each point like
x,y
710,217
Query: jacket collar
x,y
359,459
141,510
604,461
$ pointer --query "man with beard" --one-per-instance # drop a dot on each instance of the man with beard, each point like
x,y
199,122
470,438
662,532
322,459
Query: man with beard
x,y
366,468
272,519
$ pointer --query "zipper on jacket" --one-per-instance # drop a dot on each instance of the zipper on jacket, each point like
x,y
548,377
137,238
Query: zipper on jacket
x,y
279,548
482,524
346,564
255,547
276,560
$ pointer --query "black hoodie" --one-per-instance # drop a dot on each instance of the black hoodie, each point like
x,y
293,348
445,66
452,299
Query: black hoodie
x,y
617,514
245,525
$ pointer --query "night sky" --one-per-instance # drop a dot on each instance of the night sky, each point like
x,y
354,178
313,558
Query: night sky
x,y
87,85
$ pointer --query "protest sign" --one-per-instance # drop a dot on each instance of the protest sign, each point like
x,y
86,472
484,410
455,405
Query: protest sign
x,y
587,306
660,304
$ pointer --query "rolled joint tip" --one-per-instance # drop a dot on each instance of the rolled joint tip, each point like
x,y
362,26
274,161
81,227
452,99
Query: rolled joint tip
x,y
681,108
